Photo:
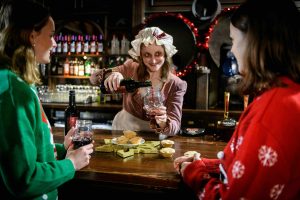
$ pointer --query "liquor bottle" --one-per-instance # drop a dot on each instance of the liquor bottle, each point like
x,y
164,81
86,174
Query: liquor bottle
x,y
73,44
54,66
100,44
126,86
86,46
59,43
124,45
93,44
67,67
60,68
87,67
115,46
79,44
71,112
65,45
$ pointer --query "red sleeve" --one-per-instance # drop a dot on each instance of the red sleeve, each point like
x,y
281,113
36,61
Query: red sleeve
x,y
255,166
258,169
198,173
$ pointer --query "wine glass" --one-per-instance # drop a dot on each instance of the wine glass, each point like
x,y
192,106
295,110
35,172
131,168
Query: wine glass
x,y
152,101
83,134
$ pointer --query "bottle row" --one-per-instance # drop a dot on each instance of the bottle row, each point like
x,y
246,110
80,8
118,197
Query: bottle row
x,y
73,66
116,48
89,44
78,44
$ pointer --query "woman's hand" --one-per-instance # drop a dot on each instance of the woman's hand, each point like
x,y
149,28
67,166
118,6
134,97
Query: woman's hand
x,y
161,116
68,138
96,77
80,157
112,82
182,162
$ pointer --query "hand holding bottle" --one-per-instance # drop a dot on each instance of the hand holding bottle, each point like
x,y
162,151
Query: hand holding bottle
x,y
112,82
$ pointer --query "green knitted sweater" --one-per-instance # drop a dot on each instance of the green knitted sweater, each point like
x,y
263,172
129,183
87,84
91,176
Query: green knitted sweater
x,y
31,164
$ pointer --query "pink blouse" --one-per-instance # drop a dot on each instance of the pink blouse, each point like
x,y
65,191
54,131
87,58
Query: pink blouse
x,y
173,91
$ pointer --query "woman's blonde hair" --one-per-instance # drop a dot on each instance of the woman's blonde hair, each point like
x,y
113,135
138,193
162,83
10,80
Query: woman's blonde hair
x,y
17,22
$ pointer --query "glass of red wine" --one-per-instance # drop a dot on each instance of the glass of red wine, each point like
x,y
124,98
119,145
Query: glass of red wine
x,y
152,101
83,134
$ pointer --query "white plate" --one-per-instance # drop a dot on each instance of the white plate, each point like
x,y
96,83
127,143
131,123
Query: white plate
x,y
114,141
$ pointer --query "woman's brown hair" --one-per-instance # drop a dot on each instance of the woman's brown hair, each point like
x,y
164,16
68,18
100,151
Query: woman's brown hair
x,y
143,74
272,33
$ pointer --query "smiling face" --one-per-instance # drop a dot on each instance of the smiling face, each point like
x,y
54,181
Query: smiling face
x,y
43,42
153,57
238,48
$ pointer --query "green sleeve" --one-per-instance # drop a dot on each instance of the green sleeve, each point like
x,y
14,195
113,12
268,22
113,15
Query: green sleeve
x,y
61,151
28,167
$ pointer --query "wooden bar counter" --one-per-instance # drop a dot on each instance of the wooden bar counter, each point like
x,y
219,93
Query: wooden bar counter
x,y
142,176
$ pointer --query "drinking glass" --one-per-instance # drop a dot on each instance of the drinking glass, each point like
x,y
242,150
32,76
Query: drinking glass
x,y
83,134
152,101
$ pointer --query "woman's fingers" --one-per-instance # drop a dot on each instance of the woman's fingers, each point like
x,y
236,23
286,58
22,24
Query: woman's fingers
x,y
112,82
161,118
178,162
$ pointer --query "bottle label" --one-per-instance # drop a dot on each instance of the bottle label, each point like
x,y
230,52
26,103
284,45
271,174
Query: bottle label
x,y
72,122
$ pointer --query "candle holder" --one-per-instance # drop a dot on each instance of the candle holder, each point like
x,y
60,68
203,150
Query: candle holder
x,y
246,101
227,122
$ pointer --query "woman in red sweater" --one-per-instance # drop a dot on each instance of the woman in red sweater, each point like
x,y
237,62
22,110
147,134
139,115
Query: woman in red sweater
x,y
262,160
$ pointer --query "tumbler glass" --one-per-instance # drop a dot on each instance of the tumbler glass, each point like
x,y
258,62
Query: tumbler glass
x,y
152,101
83,134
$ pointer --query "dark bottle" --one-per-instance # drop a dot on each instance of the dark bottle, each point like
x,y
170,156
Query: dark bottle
x,y
71,112
126,86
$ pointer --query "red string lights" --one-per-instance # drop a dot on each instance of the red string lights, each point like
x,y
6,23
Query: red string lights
x,y
201,45
214,23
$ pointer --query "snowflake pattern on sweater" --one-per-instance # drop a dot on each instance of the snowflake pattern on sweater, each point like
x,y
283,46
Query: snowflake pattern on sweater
x,y
261,161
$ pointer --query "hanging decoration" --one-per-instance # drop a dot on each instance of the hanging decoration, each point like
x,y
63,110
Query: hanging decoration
x,y
214,23
201,42
186,69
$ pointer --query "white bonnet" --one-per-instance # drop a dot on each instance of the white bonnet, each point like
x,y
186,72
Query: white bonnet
x,y
150,35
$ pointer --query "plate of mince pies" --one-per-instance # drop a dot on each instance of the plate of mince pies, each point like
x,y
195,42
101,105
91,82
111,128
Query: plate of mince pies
x,y
129,139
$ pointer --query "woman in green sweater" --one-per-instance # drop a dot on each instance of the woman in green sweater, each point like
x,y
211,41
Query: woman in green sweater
x,y
32,166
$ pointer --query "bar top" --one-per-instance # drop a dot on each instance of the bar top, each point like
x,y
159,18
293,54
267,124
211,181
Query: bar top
x,y
143,171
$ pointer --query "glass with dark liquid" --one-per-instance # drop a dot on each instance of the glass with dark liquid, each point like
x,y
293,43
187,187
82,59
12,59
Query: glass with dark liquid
x,y
152,101
83,134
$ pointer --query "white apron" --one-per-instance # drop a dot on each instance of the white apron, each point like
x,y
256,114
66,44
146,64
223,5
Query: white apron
x,y
126,121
